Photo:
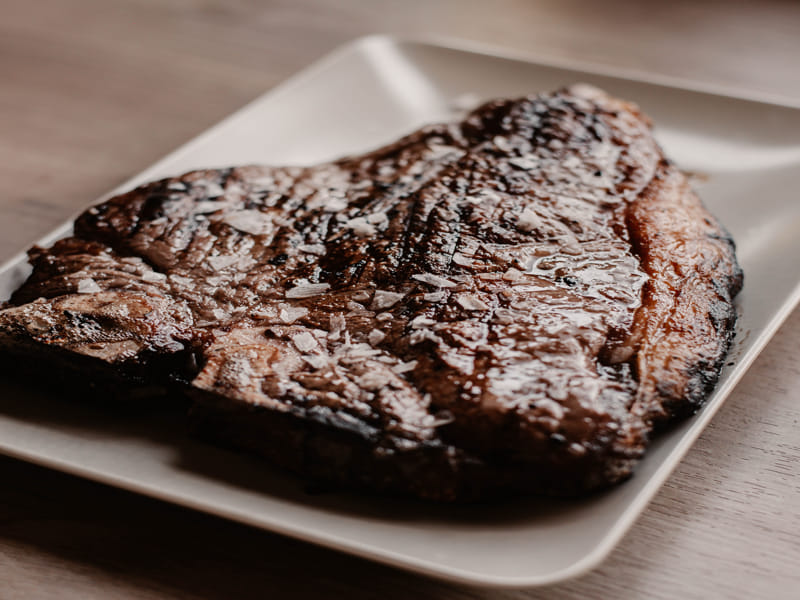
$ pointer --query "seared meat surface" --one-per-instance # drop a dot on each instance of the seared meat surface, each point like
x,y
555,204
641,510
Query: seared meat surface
x,y
510,303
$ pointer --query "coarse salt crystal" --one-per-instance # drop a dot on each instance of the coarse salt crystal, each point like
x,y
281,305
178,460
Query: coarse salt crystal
x,y
385,299
177,186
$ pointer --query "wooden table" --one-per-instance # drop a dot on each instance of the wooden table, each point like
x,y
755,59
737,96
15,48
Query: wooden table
x,y
93,91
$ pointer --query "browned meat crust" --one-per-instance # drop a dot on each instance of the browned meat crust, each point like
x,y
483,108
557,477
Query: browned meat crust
x,y
507,304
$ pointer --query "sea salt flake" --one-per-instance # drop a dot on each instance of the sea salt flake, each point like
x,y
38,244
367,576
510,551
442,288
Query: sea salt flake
x,y
376,336
307,290
378,219
304,341
214,190
512,274
153,276
437,151
385,299
208,206
373,380
315,360
335,205
471,302
420,335
484,195
422,321
434,280
318,249
263,182
462,260
266,312
182,281
222,262
503,144
504,316
528,220
249,221
526,164
355,353
220,314
434,296
337,324
289,314
361,227
404,367
88,286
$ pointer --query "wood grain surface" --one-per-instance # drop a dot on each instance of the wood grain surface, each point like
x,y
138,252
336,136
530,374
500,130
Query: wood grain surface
x,y
92,91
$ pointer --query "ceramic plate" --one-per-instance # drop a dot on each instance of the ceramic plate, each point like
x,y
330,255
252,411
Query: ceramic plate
x,y
365,94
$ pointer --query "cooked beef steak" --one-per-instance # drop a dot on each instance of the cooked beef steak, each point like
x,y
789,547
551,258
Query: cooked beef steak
x,y
511,303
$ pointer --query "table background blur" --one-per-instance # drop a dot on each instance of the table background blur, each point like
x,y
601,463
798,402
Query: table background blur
x,y
93,91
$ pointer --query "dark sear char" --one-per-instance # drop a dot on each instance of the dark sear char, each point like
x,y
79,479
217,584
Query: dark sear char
x,y
508,304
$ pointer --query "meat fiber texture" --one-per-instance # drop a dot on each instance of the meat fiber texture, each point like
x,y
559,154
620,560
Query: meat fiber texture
x,y
512,303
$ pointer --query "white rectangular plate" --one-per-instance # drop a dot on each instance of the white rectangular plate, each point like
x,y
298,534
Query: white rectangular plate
x,y
364,95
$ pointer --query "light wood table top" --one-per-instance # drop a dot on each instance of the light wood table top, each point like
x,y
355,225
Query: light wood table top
x,y
91,92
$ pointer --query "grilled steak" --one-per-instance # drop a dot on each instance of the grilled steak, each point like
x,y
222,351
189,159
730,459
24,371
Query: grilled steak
x,y
511,303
